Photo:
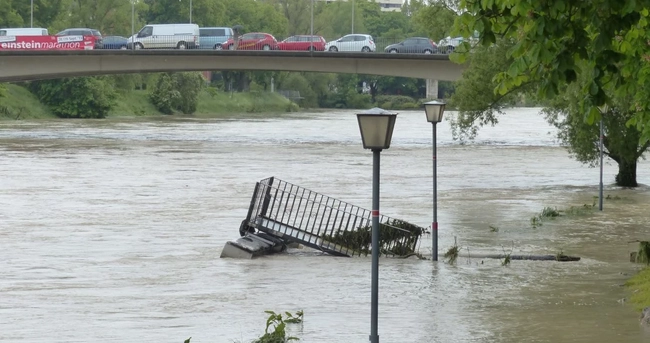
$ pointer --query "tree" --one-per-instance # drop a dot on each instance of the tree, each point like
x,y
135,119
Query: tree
x,y
9,16
335,19
559,41
474,97
298,14
436,19
177,92
107,16
621,142
478,105
256,16
79,97
204,12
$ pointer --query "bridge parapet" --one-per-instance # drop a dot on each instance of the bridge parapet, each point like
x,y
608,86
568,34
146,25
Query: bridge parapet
x,y
36,65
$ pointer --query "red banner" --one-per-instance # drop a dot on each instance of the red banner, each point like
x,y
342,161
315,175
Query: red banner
x,y
47,42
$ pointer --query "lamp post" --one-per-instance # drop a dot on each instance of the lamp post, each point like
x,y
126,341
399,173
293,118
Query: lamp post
x,y
31,20
376,126
190,11
434,111
311,29
352,16
132,23
603,111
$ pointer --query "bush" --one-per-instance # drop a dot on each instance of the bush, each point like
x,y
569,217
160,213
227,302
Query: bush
x,y
80,97
357,100
397,102
177,92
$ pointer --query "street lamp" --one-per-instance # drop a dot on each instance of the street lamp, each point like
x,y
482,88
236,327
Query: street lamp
x,y
376,126
434,110
311,28
603,110
31,21
132,23
352,16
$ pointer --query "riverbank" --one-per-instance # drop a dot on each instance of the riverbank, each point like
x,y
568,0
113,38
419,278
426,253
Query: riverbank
x,y
639,286
19,103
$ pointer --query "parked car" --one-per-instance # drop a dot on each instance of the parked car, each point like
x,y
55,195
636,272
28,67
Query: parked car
x,y
413,45
214,37
115,42
352,42
27,31
303,42
84,32
253,41
166,36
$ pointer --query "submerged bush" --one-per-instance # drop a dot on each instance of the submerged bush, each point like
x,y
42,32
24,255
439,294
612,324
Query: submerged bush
x,y
396,237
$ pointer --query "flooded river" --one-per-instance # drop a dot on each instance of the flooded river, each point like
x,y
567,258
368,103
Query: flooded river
x,y
111,231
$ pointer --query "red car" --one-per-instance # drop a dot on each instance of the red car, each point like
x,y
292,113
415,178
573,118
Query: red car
x,y
303,42
253,41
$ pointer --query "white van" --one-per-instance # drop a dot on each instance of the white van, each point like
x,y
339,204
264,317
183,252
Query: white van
x,y
166,36
28,31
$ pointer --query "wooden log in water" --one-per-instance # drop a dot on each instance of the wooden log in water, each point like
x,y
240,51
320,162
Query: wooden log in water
x,y
559,258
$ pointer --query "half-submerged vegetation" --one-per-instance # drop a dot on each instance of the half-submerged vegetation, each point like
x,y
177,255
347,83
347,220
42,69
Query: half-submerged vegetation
x,y
276,327
552,213
396,237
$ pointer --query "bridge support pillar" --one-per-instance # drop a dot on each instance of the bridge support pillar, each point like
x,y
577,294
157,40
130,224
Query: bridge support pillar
x,y
432,89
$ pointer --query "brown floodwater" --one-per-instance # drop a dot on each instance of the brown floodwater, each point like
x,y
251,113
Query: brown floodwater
x,y
111,231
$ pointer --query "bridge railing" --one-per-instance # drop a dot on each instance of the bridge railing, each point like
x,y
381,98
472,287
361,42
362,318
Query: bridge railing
x,y
322,222
188,42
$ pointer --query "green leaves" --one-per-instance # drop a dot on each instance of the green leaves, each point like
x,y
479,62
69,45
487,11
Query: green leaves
x,y
80,97
554,36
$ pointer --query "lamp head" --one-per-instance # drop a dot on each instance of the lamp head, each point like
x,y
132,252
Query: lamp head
x,y
434,110
376,126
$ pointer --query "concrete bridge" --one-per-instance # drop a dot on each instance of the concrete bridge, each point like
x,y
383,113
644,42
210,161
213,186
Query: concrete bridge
x,y
38,65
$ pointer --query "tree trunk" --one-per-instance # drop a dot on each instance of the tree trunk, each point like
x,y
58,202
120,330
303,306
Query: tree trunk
x,y
626,176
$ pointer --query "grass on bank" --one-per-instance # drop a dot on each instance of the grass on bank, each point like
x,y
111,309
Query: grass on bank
x,y
639,286
134,103
19,103
213,102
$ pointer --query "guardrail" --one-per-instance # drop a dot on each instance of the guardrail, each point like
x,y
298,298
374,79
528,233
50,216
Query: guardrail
x,y
296,214
189,42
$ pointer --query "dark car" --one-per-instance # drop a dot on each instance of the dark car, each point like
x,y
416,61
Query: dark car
x,y
114,42
414,45
84,32
303,42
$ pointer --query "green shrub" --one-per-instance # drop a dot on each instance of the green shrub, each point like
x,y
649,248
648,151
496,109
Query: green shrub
x,y
397,102
177,92
79,97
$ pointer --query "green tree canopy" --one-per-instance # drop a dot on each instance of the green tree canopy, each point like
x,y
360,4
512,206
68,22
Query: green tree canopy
x,y
556,41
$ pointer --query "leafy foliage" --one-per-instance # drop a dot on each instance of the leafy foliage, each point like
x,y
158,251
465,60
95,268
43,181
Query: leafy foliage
x,y
643,255
474,98
437,19
177,92
396,237
80,97
275,331
558,41
621,142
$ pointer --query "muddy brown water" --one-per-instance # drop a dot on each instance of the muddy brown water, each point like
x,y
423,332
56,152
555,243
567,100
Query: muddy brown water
x,y
111,231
